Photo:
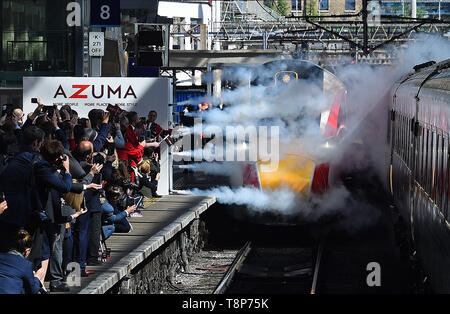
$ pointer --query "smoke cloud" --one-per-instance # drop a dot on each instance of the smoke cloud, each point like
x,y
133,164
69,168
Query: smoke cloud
x,y
296,108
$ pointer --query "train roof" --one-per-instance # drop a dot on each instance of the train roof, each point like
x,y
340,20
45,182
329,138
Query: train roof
x,y
428,75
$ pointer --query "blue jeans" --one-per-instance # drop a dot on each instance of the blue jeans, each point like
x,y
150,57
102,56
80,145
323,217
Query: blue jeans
x,y
81,233
108,230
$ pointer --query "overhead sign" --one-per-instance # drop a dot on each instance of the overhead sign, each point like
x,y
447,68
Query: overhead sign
x,y
96,44
105,13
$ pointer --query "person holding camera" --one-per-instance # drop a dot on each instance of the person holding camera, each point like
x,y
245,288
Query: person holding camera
x,y
99,124
16,272
88,229
22,182
53,227
133,151
84,155
113,219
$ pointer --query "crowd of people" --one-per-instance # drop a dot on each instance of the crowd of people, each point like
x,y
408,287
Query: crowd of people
x,y
66,184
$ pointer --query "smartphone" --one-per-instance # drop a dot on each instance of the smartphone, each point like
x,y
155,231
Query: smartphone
x,y
138,201
34,100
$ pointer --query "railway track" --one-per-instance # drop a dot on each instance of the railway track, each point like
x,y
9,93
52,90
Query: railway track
x,y
273,270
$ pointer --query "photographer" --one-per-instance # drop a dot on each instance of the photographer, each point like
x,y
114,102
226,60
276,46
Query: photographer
x,y
52,152
88,229
121,178
113,219
99,122
134,145
22,182
147,176
84,155
16,273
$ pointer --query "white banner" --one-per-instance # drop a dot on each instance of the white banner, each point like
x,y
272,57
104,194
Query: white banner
x,y
86,93
83,94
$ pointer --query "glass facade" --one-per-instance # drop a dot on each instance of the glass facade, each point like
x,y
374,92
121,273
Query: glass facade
x,y
35,40
425,9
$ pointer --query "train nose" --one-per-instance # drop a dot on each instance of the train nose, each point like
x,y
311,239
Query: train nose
x,y
298,173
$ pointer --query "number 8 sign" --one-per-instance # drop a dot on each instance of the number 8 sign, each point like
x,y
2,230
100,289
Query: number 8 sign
x,y
105,13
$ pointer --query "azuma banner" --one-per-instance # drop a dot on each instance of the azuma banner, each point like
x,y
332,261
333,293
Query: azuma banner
x,y
83,94
86,93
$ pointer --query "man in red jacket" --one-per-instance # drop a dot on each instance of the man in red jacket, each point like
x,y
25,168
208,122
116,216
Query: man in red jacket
x,y
133,150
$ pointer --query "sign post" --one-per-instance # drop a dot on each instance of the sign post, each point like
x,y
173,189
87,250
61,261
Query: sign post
x,y
96,44
96,52
104,13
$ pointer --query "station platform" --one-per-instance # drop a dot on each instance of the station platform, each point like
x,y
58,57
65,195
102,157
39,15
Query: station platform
x,y
161,220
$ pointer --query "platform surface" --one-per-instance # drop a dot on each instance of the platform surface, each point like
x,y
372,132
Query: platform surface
x,y
161,221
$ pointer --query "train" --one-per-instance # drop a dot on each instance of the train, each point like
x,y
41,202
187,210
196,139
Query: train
x,y
419,167
299,171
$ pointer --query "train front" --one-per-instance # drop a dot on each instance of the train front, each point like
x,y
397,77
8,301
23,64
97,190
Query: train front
x,y
307,165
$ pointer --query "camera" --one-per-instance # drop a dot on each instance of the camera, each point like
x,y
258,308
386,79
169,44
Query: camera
x,y
49,109
60,163
126,184
98,159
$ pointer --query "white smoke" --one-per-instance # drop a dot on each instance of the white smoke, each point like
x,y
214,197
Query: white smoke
x,y
353,213
295,110
280,200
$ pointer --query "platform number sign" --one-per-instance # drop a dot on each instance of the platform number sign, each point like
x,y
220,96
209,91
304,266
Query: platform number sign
x,y
105,13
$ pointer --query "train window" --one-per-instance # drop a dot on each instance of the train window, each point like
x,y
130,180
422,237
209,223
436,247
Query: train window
x,y
407,146
408,142
424,158
429,161
438,175
405,139
399,135
446,177
395,135
404,129
434,173
419,160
